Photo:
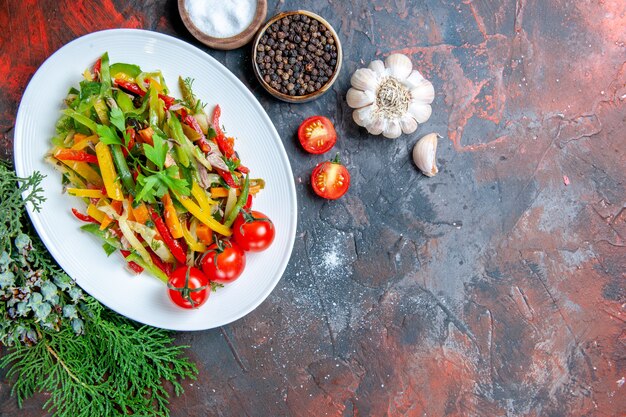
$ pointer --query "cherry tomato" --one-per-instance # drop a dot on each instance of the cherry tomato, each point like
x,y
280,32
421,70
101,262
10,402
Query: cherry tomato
x,y
317,134
188,287
253,231
330,179
223,262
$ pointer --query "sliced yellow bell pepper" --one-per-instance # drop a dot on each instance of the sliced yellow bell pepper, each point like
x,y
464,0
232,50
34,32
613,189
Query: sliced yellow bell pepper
x,y
193,244
200,195
82,142
84,170
109,176
72,177
95,213
85,192
204,217
102,111
107,220
171,217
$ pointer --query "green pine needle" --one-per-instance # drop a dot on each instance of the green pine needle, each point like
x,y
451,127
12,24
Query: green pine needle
x,y
108,365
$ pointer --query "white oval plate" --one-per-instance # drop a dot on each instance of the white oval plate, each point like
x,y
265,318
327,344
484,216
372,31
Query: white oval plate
x,y
143,298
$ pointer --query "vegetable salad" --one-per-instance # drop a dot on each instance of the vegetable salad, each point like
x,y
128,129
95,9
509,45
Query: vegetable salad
x,y
161,182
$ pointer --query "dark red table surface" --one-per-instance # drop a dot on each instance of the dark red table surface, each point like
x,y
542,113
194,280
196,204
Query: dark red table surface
x,y
492,289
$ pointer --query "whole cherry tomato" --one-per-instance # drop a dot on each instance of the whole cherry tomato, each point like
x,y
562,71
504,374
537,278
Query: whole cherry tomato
x,y
317,135
330,179
223,262
188,287
253,231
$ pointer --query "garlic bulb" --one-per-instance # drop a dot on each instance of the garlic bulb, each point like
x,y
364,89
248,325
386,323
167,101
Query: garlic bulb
x,y
390,98
425,153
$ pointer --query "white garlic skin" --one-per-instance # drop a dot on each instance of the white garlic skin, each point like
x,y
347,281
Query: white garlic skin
x,y
408,124
363,116
358,98
420,112
376,107
393,129
377,125
425,154
398,66
424,93
364,79
378,67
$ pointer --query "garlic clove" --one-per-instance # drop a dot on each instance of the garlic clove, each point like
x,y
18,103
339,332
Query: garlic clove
x,y
399,66
377,125
423,93
425,154
357,119
393,129
357,98
363,116
408,124
364,79
414,79
378,67
421,112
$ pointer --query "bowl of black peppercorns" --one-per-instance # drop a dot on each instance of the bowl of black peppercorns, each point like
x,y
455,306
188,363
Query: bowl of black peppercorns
x,y
296,56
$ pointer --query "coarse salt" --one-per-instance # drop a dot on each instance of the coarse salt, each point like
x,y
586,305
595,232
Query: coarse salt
x,y
221,18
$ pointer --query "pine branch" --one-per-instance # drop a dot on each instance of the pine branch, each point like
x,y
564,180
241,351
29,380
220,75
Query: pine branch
x,y
90,360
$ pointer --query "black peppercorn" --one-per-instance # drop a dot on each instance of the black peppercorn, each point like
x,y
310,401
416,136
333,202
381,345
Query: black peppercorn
x,y
296,55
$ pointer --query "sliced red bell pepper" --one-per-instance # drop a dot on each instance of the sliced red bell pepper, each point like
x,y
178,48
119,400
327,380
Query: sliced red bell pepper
x,y
131,141
97,66
243,169
167,100
172,244
130,87
227,177
217,112
191,121
132,265
165,267
248,204
134,88
225,146
84,217
75,155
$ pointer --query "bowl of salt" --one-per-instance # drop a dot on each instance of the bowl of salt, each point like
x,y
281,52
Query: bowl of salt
x,y
223,24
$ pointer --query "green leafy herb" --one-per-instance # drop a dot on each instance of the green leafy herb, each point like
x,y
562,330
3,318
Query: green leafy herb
x,y
156,185
232,164
89,88
156,154
117,119
90,361
107,135
178,185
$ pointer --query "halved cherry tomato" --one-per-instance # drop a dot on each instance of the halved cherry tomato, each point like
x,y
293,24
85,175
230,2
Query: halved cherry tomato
x,y
223,262
330,179
253,231
188,287
317,135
